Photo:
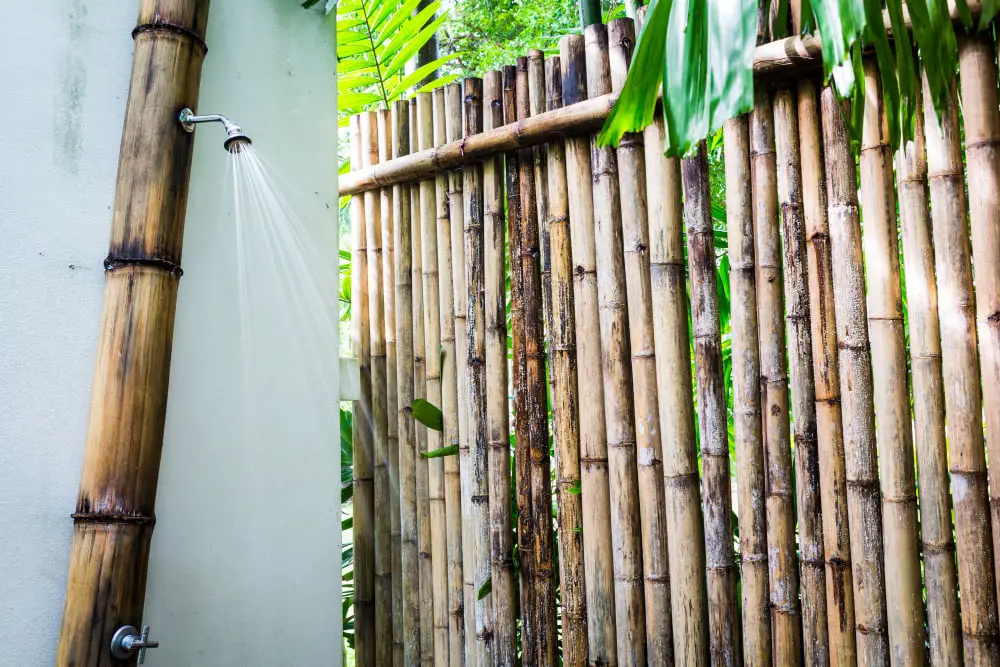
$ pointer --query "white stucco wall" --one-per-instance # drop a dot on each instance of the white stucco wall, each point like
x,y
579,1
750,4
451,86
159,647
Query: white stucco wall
x,y
245,557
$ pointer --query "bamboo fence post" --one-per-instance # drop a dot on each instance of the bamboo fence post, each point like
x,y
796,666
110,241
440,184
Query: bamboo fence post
x,y
617,373
536,393
978,76
565,402
450,405
938,547
403,230
364,495
723,615
595,486
814,637
536,98
635,240
748,386
479,455
826,373
497,406
685,525
903,592
786,623
863,501
113,521
519,372
432,329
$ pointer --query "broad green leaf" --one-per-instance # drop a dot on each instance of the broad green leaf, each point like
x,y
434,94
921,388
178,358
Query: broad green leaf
x,y
485,589
732,35
428,414
685,104
450,450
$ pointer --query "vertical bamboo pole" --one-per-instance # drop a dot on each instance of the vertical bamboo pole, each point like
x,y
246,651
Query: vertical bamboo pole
x,y
449,378
863,502
685,525
814,638
476,344
978,75
748,385
724,633
903,594
409,574
595,486
497,407
617,373
826,372
113,521
565,401
943,625
786,624
364,495
379,419
536,99
635,231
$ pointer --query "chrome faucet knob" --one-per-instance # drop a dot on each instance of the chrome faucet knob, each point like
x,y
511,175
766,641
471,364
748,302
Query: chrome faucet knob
x,y
127,640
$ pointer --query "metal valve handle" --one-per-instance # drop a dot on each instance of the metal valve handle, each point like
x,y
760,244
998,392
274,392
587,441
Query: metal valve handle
x,y
127,641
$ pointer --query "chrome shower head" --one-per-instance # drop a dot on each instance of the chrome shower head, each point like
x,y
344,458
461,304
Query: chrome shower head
x,y
235,137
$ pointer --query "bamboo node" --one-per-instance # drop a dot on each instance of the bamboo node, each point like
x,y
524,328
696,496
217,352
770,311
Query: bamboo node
x,y
113,263
113,518
166,26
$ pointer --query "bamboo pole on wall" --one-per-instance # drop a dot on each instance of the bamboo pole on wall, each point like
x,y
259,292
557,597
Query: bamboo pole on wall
x,y
786,625
595,491
938,547
565,402
379,425
747,389
978,76
364,496
903,595
497,407
863,501
402,228
814,637
432,328
450,405
536,99
688,597
826,373
479,455
724,633
635,240
535,388
617,373
113,521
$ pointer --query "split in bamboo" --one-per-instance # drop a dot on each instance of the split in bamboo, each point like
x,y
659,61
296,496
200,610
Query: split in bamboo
x,y
595,492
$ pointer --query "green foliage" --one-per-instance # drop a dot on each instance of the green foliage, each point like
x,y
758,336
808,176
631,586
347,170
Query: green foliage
x,y
450,450
428,414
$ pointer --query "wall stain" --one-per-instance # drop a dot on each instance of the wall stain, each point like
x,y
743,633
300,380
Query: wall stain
x,y
72,89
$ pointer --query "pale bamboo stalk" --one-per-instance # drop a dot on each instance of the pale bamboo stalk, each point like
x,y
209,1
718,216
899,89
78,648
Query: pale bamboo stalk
x,y
826,372
479,533
565,401
595,486
450,282
409,574
938,547
617,373
635,240
903,586
685,524
814,638
748,387
786,623
497,407
863,501
364,495
536,395
978,76
432,213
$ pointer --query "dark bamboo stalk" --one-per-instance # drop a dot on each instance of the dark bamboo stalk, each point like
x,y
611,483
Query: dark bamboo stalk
x,y
748,385
479,534
536,100
497,405
565,401
635,230
364,496
595,492
113,521
815,638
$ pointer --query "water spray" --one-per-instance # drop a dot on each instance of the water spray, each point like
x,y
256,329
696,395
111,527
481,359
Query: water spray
x,y
235,137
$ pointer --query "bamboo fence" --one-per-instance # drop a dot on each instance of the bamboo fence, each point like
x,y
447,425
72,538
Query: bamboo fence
x,y
532,283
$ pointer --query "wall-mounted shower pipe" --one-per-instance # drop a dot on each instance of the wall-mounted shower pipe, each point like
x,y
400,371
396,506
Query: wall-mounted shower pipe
x,y
113,522
235,137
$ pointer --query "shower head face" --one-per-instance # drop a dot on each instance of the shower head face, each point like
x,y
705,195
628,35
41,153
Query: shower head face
x,y
237,141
